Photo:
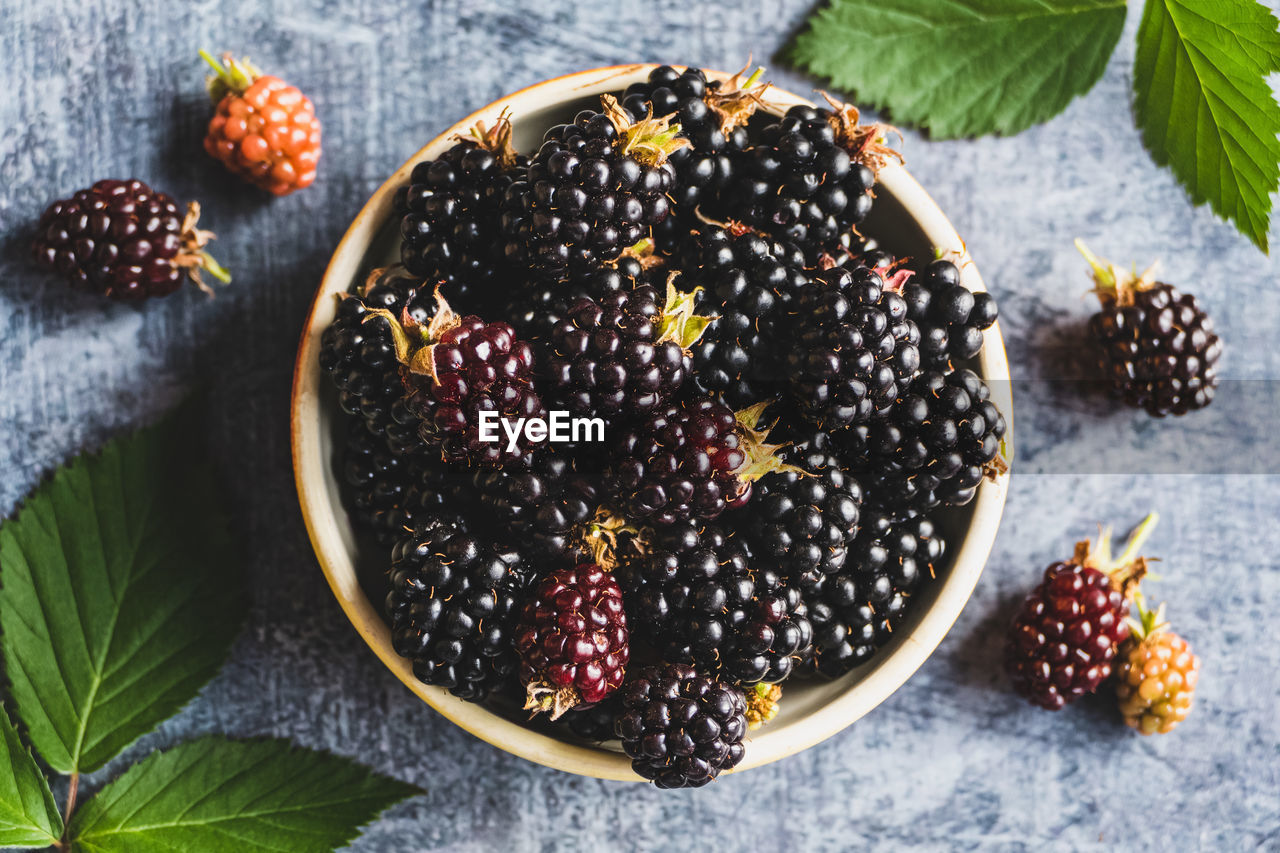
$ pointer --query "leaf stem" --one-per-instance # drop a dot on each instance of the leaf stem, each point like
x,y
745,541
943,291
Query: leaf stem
x,y
72,790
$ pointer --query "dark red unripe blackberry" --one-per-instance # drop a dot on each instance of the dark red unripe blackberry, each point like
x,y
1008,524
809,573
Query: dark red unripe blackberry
x,y
854,612
453,606
852,347
935,445
450,215
691,459
456,369
621,354
124,240
1156,346
572,640
951,317
680,728
1065,636
595,187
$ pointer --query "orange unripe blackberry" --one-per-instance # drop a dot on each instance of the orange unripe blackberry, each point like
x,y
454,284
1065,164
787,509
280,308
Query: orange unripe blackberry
x,y
1157,675
265,131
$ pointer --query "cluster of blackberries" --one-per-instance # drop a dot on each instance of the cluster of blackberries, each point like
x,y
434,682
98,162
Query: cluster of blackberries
x,y
768,413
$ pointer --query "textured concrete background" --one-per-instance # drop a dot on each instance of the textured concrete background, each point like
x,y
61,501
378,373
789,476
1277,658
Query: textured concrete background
x,y
113,88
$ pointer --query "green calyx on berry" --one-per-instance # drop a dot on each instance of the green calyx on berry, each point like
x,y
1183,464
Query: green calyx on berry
x,y
495,138
1127,570
231,75
651,141
1149,623
541,697
762,457
415,343
867,144
1114,285
763,703
738,99
679,321
644,251
193,257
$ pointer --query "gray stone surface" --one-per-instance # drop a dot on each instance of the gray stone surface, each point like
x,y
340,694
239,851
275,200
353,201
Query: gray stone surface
x,y
952,761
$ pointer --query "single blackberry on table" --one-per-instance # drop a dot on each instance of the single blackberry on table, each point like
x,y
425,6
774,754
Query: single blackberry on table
x,y
951,317
360,357
1066,633
935,445
748,282
453,606
1156,675
124,240
456,369
855,610
681,728
595,187
852,348
1156,345
621,354
450,213
808,177
572,640
693,458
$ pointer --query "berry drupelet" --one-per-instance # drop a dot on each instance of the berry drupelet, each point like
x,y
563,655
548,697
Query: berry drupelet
x,y
595,187
680,728
852,347
951,317
264,131
572,640
1156,675
855,610
1156,345
1064,638
450,215
453,606
124,240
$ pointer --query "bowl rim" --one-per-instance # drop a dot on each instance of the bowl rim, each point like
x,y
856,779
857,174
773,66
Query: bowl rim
x,y
889,671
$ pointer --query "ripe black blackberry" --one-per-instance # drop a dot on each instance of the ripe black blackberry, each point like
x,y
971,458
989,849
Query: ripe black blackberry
x,y
453,605
1156,345
681,728
382,484
595,723
693,458
854,611
124,240
937,443
692,594
950,316
360,357
852,347
808,178
748,282
595,187
621,354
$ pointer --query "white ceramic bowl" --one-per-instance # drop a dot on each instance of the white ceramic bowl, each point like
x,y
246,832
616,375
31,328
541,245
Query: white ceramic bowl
x,y
905,220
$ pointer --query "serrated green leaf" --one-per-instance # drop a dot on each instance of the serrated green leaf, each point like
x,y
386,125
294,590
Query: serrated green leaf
x,y
1205,108
28,815
121,594
963,67
219,796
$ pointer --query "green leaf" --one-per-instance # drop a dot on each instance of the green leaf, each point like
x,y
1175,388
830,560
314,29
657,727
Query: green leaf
x,y
121,594
216,795
1205,108
963,67
28,815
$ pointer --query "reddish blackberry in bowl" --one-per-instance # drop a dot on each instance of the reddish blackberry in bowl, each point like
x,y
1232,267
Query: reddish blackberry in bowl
x,y
951,317
124,240
457,370
624,353
693,458
1156,345
595,187
453,606
1066,633
680,728
852,347
572,640
808,177
939,440
855,610
450,215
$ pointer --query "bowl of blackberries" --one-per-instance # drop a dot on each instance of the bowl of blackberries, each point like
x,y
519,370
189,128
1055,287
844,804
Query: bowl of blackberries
x,y
653,423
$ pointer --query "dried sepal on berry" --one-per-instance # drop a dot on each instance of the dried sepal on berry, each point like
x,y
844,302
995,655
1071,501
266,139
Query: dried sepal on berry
x,y
651,141
1157,675
495,138
738,98
608,537
680,321
1116,286
763,704
867,144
